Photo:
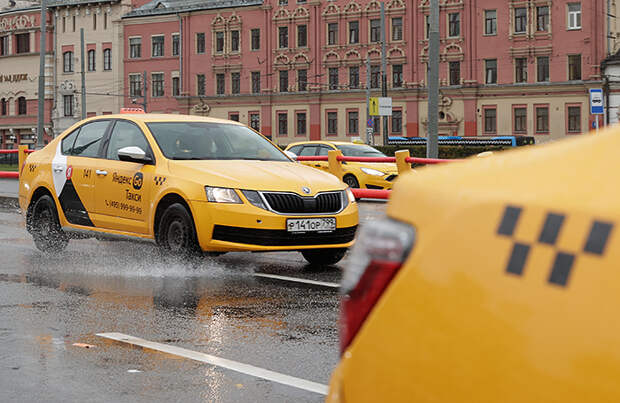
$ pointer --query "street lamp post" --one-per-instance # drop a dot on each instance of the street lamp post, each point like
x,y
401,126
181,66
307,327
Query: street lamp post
x,y
42,52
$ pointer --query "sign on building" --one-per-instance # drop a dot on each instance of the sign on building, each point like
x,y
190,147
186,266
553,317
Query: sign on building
x,y
380,106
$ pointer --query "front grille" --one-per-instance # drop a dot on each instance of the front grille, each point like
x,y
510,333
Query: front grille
x,y
290,203
391,178
270,237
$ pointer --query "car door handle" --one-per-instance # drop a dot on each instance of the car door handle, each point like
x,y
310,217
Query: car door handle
x,y
317,165
58,169
100,172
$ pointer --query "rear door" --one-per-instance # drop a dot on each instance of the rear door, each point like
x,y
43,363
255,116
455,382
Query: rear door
x,y
310,150
323,150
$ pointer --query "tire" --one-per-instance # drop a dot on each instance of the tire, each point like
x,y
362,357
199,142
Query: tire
x,y
177,234
44,226
324,257
351,181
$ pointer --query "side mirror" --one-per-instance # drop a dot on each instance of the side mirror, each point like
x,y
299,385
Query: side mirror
x,y
134,154
291,155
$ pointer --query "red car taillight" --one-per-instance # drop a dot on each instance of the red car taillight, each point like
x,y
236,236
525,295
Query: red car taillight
x,y
380,250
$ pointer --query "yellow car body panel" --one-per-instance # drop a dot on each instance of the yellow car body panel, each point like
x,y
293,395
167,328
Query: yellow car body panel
x,y
364,179
510,292
124,200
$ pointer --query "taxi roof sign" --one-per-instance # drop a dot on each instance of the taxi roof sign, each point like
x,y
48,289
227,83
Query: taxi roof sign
x,y
132,110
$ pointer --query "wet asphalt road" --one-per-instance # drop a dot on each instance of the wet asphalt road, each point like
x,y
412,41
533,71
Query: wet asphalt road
x,y
216,306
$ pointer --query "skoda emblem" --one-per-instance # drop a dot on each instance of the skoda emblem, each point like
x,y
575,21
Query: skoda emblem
x,y
306,190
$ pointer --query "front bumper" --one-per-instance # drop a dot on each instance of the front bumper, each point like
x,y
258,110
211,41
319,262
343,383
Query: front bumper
x,y
378,182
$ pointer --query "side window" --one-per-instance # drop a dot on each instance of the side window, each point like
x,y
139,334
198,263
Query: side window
x,y
323,150
295,149
89,140
126,134
67,143
308,151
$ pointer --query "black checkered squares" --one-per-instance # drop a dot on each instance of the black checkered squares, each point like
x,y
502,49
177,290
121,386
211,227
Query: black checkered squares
x,y
159,180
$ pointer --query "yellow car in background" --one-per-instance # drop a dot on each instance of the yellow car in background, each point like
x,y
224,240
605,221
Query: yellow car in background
x,y
491,280
189,183
379,175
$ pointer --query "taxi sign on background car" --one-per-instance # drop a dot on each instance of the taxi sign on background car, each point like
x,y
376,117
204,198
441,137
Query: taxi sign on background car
x,y
132,110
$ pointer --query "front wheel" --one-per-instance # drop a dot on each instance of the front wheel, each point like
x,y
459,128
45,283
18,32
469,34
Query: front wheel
x,y
351,181
324,257
177,234
44,226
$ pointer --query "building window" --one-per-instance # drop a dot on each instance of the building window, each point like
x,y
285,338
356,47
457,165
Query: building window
x,y
333,78
353,122
255,33
176,44
234,41
200,43
542,18
219,42
67,62
283,37
21,106
64,24
490,120
301,124
376,125
375,30
354,77
105,20
91,60
283,80
135,85
68,105
354,32
157,45
574,15
542,68
521,70
520,20
490,22
283,124
455,73
220,82
255,121
427,22
107,59
73,23
283,2
23,43
235,81
302,36
397,29
332,123
332,33
490,68
176,86
157,82
4,107
520,120
397,121
574,119
135,48
375,76
255,82
542,119
454,24
94,22
4,45
574,67
234,116
302,80
397,75
201,85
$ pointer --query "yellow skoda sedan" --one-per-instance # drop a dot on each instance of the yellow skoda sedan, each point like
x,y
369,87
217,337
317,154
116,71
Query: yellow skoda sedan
x,y
368,175
188,183
491,280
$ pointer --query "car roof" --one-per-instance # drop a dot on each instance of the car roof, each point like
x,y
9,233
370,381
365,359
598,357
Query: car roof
x,y
163,117
335,143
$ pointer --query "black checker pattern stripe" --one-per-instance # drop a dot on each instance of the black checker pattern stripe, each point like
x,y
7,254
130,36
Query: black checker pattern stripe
x,y
159,180
563,263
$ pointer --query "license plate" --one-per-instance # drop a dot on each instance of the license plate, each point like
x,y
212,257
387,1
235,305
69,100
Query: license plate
x,y
311,224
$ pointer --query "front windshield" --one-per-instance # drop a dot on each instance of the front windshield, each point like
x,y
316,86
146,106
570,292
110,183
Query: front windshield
x,y
359,151
212,141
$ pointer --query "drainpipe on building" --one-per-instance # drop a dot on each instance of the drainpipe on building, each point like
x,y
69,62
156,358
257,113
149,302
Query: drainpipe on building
x,y
180,54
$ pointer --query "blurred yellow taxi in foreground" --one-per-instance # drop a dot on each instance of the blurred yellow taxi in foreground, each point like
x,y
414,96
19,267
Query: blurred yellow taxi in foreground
x,y
491,280
368,175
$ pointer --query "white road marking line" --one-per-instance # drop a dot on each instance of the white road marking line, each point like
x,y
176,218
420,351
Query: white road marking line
x,y
220,362
298,280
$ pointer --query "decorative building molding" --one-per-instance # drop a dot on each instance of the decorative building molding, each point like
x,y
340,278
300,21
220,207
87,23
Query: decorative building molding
x,y
301,13
16,23
282,14
352,9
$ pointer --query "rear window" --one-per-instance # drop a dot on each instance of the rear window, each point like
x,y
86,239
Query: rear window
x,y
359,151
67,143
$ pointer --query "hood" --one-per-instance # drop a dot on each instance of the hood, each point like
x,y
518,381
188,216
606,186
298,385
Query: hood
x,y
257,175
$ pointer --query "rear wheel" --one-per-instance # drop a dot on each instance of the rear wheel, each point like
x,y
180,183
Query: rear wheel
x,y
351,181
177,235
324,257
44,226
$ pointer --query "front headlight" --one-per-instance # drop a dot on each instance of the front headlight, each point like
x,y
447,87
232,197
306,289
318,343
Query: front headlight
x,y
350,195
372,172
222,195
254,198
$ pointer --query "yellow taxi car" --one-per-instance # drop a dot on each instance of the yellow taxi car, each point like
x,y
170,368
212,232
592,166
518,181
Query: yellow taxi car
x,y
380,175
496,281
188,183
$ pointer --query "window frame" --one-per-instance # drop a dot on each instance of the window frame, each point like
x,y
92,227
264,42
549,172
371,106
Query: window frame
x,y
255,82
333,79
282,119
397,111
283,81
354,32
91,58
486,119
135,49
158,45
568,107
577,14
397,30
255,39
542,19
68,112
538,107
353,126
220,42
282,37
397,76
332,33
522,119
220,84
328,131
235,82
571,72
302,80
520,70
107,59
158,86
354,79
201,90
132,84
545,69
452,79
235,41
201,43
374,32
487,68
251,120
454,25
67,57
492,21
520,20
304,132
302,36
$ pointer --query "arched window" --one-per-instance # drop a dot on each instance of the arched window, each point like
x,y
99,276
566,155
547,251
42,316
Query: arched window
x,y
21,106
4,107
107,59
67,62
91,60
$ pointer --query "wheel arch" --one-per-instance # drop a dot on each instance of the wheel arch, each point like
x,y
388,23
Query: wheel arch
x,y
38,192
166,201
